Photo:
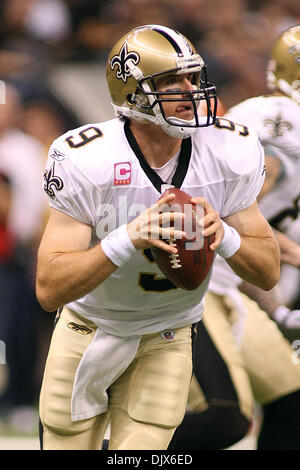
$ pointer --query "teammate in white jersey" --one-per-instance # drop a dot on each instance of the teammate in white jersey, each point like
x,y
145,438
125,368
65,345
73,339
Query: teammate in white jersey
x,y
240,354
121,348
276,119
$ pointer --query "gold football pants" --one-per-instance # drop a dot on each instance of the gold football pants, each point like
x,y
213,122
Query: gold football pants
x,y
262,369
146,403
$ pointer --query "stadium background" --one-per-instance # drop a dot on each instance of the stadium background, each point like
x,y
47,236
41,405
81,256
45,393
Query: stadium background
x,y
52,53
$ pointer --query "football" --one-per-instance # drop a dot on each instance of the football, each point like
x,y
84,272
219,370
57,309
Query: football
x,y
189,267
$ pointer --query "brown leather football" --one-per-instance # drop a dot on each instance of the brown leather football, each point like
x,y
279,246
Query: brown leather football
x,y
189,267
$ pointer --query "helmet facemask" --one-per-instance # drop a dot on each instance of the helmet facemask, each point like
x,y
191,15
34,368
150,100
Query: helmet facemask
x,y
150,101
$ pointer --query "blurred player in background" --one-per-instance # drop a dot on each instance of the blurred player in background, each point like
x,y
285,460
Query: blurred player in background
x,y
276,119
240,354
121,348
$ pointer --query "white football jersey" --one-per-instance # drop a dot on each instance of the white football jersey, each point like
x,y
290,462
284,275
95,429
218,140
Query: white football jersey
x,y
276,119
97,175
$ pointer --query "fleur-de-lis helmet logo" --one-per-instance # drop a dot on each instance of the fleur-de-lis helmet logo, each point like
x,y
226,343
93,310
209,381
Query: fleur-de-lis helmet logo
x,y
51,181
294,50
121,61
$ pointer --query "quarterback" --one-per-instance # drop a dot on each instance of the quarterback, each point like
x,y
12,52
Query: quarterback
x,y
121,348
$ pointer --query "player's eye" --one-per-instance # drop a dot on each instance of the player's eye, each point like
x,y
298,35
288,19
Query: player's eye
x,y
167,82
171,81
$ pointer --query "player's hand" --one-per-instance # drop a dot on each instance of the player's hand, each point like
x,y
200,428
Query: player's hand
x,y
152,227
289,249
291,258
289,319
212,217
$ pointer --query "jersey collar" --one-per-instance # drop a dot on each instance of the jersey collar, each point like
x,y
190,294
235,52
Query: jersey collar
x,y
183,161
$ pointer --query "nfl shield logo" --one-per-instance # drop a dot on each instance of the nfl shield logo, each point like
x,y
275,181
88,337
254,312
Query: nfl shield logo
x,y
168,335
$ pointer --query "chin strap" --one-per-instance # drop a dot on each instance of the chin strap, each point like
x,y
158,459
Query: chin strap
x,y
286,88
179,132
173,131
283,86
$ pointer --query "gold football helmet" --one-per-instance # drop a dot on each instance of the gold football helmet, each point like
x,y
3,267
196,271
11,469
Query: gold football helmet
x,y
283,69
143,56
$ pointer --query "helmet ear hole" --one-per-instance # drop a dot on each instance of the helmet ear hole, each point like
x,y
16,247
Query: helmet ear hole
x,y
129,98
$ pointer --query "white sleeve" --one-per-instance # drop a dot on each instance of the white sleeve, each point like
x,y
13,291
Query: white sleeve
x,y
243,190
245,115
287,165
69,189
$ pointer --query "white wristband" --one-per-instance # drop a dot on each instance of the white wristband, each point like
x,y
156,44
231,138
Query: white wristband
x,y
286,318
118,247
281,314
231,242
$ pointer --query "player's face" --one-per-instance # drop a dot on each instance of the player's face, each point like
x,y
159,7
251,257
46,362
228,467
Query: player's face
x,y
177,83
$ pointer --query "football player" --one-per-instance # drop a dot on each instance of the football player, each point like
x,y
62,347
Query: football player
x,y
240,354
121,347
276,120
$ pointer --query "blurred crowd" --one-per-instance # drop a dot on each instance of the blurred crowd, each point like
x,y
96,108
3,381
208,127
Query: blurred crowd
x,y
233,36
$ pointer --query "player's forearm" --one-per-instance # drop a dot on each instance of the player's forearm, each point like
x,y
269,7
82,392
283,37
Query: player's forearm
x,y
68,276
289,250
257,261
268,301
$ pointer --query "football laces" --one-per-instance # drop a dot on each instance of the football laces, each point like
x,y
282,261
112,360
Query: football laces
x,y
174,257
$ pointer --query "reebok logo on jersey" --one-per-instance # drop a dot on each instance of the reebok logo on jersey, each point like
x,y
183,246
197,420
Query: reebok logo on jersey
x,y
83,330
122,173
57,155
